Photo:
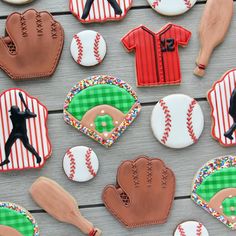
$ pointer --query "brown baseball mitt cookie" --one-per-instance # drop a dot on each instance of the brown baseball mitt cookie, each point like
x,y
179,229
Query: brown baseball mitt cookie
x,y
143,194
32,45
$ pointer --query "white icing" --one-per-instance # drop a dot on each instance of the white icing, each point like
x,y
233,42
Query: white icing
x,y
18,2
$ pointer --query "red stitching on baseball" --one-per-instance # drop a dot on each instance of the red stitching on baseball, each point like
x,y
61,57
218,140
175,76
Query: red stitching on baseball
x,y
167,121
156,3
96,48
88,162
72,164
80,48
199,230
181,231
188,3
190,121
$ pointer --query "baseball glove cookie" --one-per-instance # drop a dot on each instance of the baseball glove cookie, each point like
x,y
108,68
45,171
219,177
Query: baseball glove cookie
x,y
32,45
143,194
102,107
17,220
214,189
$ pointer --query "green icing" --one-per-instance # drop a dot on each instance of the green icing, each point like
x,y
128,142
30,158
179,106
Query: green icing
x,y
17,221
217,181
101,94
104,123
229,206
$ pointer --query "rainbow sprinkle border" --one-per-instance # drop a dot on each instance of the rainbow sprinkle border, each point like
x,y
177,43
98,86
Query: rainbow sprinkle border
x,y
102,79
209,168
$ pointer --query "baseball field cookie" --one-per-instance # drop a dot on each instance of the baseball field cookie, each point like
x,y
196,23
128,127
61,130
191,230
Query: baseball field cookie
x,y
17,221
191,228
80,164
214,189
24,141
88,11
88,48
222,100
177,121
157,55
172,8
101,107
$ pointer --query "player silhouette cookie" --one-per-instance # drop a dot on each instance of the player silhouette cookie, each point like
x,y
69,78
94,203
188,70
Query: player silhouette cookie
x,y
24,140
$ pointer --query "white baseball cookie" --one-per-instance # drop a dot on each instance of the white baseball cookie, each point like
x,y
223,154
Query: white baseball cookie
x,y
80,164
88,48
171,8
177,121
191,228
18,2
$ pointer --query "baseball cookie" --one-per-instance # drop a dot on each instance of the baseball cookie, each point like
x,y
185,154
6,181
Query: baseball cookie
x,y
177,121
172,8
18,2
214,189
88,11
191,228
101,107
88,48
17,220
157,56
24,141
222,99
80,164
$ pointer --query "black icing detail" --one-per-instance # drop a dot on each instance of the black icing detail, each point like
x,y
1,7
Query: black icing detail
x,y
167,45
89,4
19,131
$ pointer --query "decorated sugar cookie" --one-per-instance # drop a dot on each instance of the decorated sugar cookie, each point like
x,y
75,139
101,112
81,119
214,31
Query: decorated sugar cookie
x,y
222,100
177,121
214,189
88,11
24,141
88,48
191,228
18,2
8,231
80,164
101,107
16,219
157,57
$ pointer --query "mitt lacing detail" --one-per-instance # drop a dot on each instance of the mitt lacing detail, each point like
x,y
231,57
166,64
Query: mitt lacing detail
x,y
39,24
164,176
190,122
12,48
149,173
135,175
54,30
125,198
23,26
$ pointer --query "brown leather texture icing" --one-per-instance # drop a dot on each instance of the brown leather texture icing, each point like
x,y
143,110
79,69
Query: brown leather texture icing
x,y
144,192
32,45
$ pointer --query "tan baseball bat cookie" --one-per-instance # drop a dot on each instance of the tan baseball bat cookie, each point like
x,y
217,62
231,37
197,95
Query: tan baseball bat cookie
x,y
8,231
213,28
60,204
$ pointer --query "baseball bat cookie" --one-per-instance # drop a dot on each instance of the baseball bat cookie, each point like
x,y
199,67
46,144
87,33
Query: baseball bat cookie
x,y
177,121
213,28
102,107
157,56
172,8
214,189
88,48
60,204
18,2
191,228
88,11
16,221
24,141
80,164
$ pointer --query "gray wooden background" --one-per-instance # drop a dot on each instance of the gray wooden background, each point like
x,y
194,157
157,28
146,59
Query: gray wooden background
x,y
52,92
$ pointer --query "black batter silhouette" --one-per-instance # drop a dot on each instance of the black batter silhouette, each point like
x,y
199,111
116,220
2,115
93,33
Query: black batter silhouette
x,y
19,131
89,4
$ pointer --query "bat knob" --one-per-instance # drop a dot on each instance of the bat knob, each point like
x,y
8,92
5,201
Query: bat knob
x,y
95,232
200,70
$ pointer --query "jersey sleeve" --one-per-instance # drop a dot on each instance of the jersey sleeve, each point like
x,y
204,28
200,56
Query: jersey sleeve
x,y
182,35
129,40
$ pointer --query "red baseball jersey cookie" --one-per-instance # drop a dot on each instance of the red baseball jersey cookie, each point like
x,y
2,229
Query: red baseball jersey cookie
x,y
157,57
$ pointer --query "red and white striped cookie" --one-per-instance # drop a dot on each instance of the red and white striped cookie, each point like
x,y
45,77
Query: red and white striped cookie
x,y
80,164
88,48
177,121
191,228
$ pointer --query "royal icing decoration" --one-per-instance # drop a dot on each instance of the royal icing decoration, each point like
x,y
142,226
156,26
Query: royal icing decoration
x,y
177,121
80,164
88,48
18,2
24,141
214,189
18,218
171,8
223,111
88,11
191,228
157,56
101,107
